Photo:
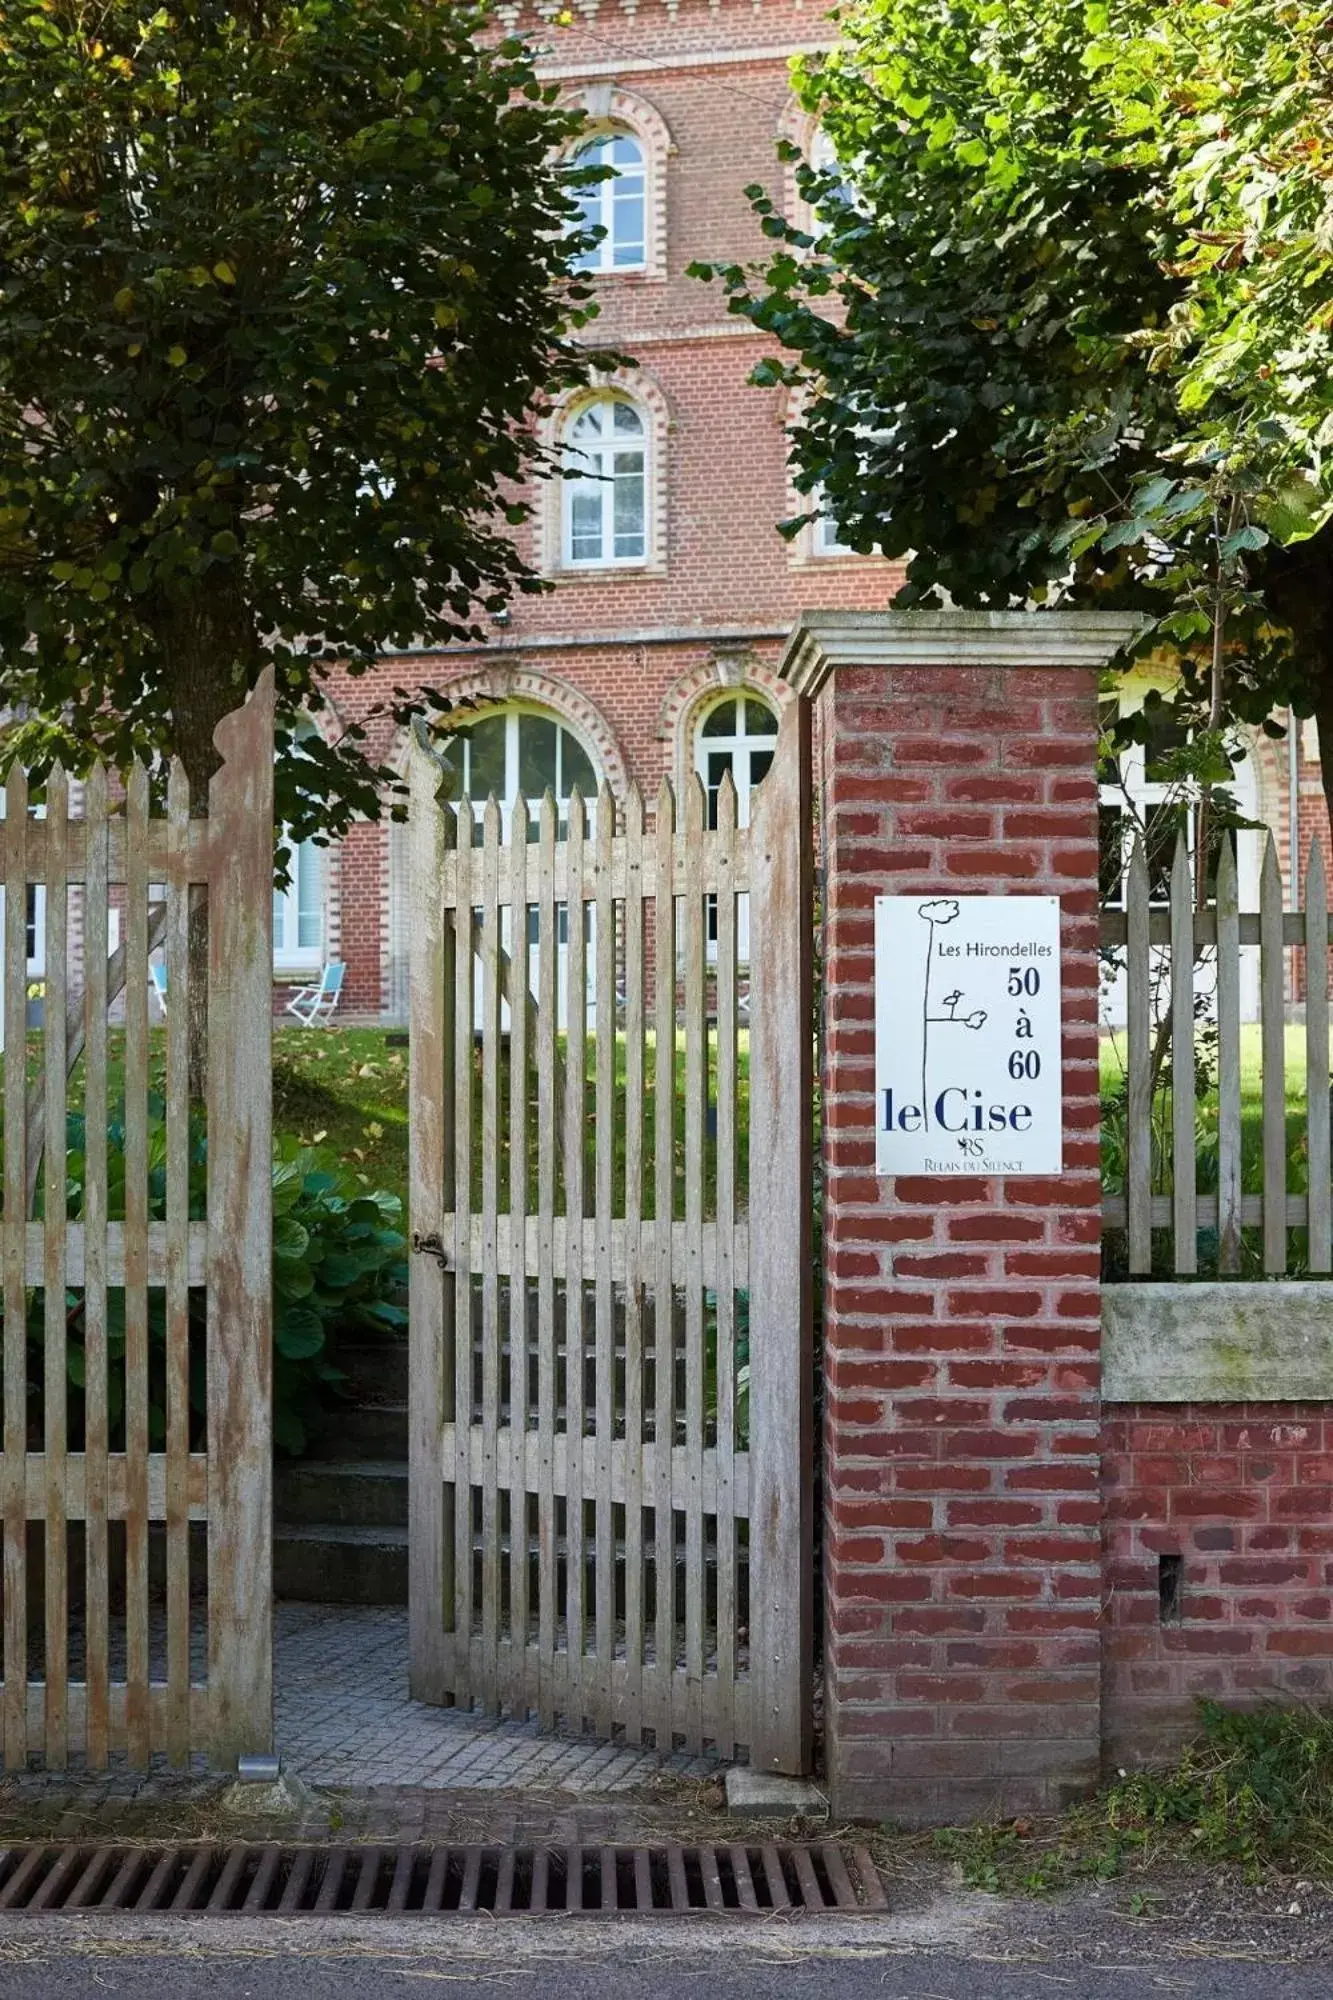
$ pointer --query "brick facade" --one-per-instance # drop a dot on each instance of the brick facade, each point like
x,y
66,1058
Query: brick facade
x,y
961,1316
1238,1501
625,656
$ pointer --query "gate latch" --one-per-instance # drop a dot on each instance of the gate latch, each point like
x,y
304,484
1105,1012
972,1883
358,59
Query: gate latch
x,y
430,1246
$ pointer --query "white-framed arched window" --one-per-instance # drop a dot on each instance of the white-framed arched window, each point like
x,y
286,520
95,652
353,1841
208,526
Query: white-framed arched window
x,y
604,499
521,751
736,735
617,204
824,159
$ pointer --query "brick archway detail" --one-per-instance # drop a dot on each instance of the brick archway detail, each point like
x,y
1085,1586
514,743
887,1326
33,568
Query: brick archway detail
x,y
686,698
637,386
502,682
609,107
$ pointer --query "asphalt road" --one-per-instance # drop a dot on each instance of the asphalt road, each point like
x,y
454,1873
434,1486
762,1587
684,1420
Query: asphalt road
x,y
202,1961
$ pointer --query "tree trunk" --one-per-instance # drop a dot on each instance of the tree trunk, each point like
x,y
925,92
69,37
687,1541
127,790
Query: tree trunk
x,y
212,657
1299,586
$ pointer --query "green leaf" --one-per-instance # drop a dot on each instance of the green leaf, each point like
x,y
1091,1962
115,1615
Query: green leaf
x,y
290,1238
298,1334
293,1279
176,357
224,273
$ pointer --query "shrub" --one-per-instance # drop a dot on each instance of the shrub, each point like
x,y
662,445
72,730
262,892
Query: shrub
x,y
339,1267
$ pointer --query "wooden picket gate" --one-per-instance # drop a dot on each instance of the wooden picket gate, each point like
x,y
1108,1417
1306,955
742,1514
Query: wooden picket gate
x,y
129,1419
611,1505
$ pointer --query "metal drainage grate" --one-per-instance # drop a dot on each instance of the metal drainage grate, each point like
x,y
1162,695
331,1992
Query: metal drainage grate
x,y
256,1880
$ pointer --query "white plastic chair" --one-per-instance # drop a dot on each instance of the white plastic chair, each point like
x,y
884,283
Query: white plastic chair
x,y
314,1005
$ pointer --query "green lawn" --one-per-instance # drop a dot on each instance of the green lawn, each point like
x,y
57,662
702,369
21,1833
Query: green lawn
x,y
1251,1087
344,1092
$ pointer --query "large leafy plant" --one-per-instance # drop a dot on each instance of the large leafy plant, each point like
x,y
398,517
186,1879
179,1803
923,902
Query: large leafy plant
x,y
339,1269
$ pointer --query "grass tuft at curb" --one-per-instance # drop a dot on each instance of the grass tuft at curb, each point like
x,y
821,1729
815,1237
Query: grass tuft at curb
x,y
1254,1791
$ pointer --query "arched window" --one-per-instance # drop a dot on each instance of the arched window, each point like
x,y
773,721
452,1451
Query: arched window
x,y
605,490
617,205
520,752
737,735
824,159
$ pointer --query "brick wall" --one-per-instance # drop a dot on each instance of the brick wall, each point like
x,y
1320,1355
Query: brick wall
x,y
729,587
961,1316
1243,1497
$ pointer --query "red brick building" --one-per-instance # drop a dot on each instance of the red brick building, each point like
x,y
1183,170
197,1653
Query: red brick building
x,y
673,590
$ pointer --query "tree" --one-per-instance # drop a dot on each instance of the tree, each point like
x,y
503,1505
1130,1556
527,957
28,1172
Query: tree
x,y
281,282
1067,338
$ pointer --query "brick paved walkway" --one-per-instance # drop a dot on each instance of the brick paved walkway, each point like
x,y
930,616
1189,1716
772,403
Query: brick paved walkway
x,y
344,1717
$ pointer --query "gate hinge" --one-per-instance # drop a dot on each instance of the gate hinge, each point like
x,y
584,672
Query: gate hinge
x,y
430,1246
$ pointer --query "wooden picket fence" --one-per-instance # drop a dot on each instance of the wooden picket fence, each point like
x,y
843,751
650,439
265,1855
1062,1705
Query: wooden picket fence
x,y
1177,955
610,1524
128,1630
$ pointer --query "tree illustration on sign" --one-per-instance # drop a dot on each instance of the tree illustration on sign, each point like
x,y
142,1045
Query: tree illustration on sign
x,y
941,911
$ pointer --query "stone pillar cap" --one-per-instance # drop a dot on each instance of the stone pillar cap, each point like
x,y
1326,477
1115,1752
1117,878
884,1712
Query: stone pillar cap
x,y
822,640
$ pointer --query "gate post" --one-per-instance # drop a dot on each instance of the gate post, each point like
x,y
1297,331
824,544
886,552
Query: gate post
x,y
240,1233
961,1314
781,1186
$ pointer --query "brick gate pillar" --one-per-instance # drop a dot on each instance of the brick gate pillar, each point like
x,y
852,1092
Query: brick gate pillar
x,y
961,1316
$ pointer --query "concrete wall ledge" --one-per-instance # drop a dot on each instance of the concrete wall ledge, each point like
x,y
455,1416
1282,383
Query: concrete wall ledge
x,y
1218,1343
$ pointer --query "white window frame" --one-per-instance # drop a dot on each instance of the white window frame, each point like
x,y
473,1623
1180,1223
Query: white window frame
x,y
512,714
289,954
603,204
601,479
742,746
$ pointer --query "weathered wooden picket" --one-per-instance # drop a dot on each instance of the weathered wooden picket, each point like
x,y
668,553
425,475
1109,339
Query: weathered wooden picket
x,y
1183,973
610,1492
104,1586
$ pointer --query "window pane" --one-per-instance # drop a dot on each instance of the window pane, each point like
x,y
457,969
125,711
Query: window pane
x,y
536,756
585,529
719,763
628,422
486,758
589,217
279,923
309,902
1161,826
628,506
575,768
759,718
627,228
761,763
1165,736
721,721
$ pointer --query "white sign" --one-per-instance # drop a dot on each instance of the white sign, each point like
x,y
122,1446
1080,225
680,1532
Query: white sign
x,y
967,1035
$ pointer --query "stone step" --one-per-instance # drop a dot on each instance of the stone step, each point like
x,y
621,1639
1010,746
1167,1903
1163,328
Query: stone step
x,y
341,1493
330,1565
376,1369
370,1430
